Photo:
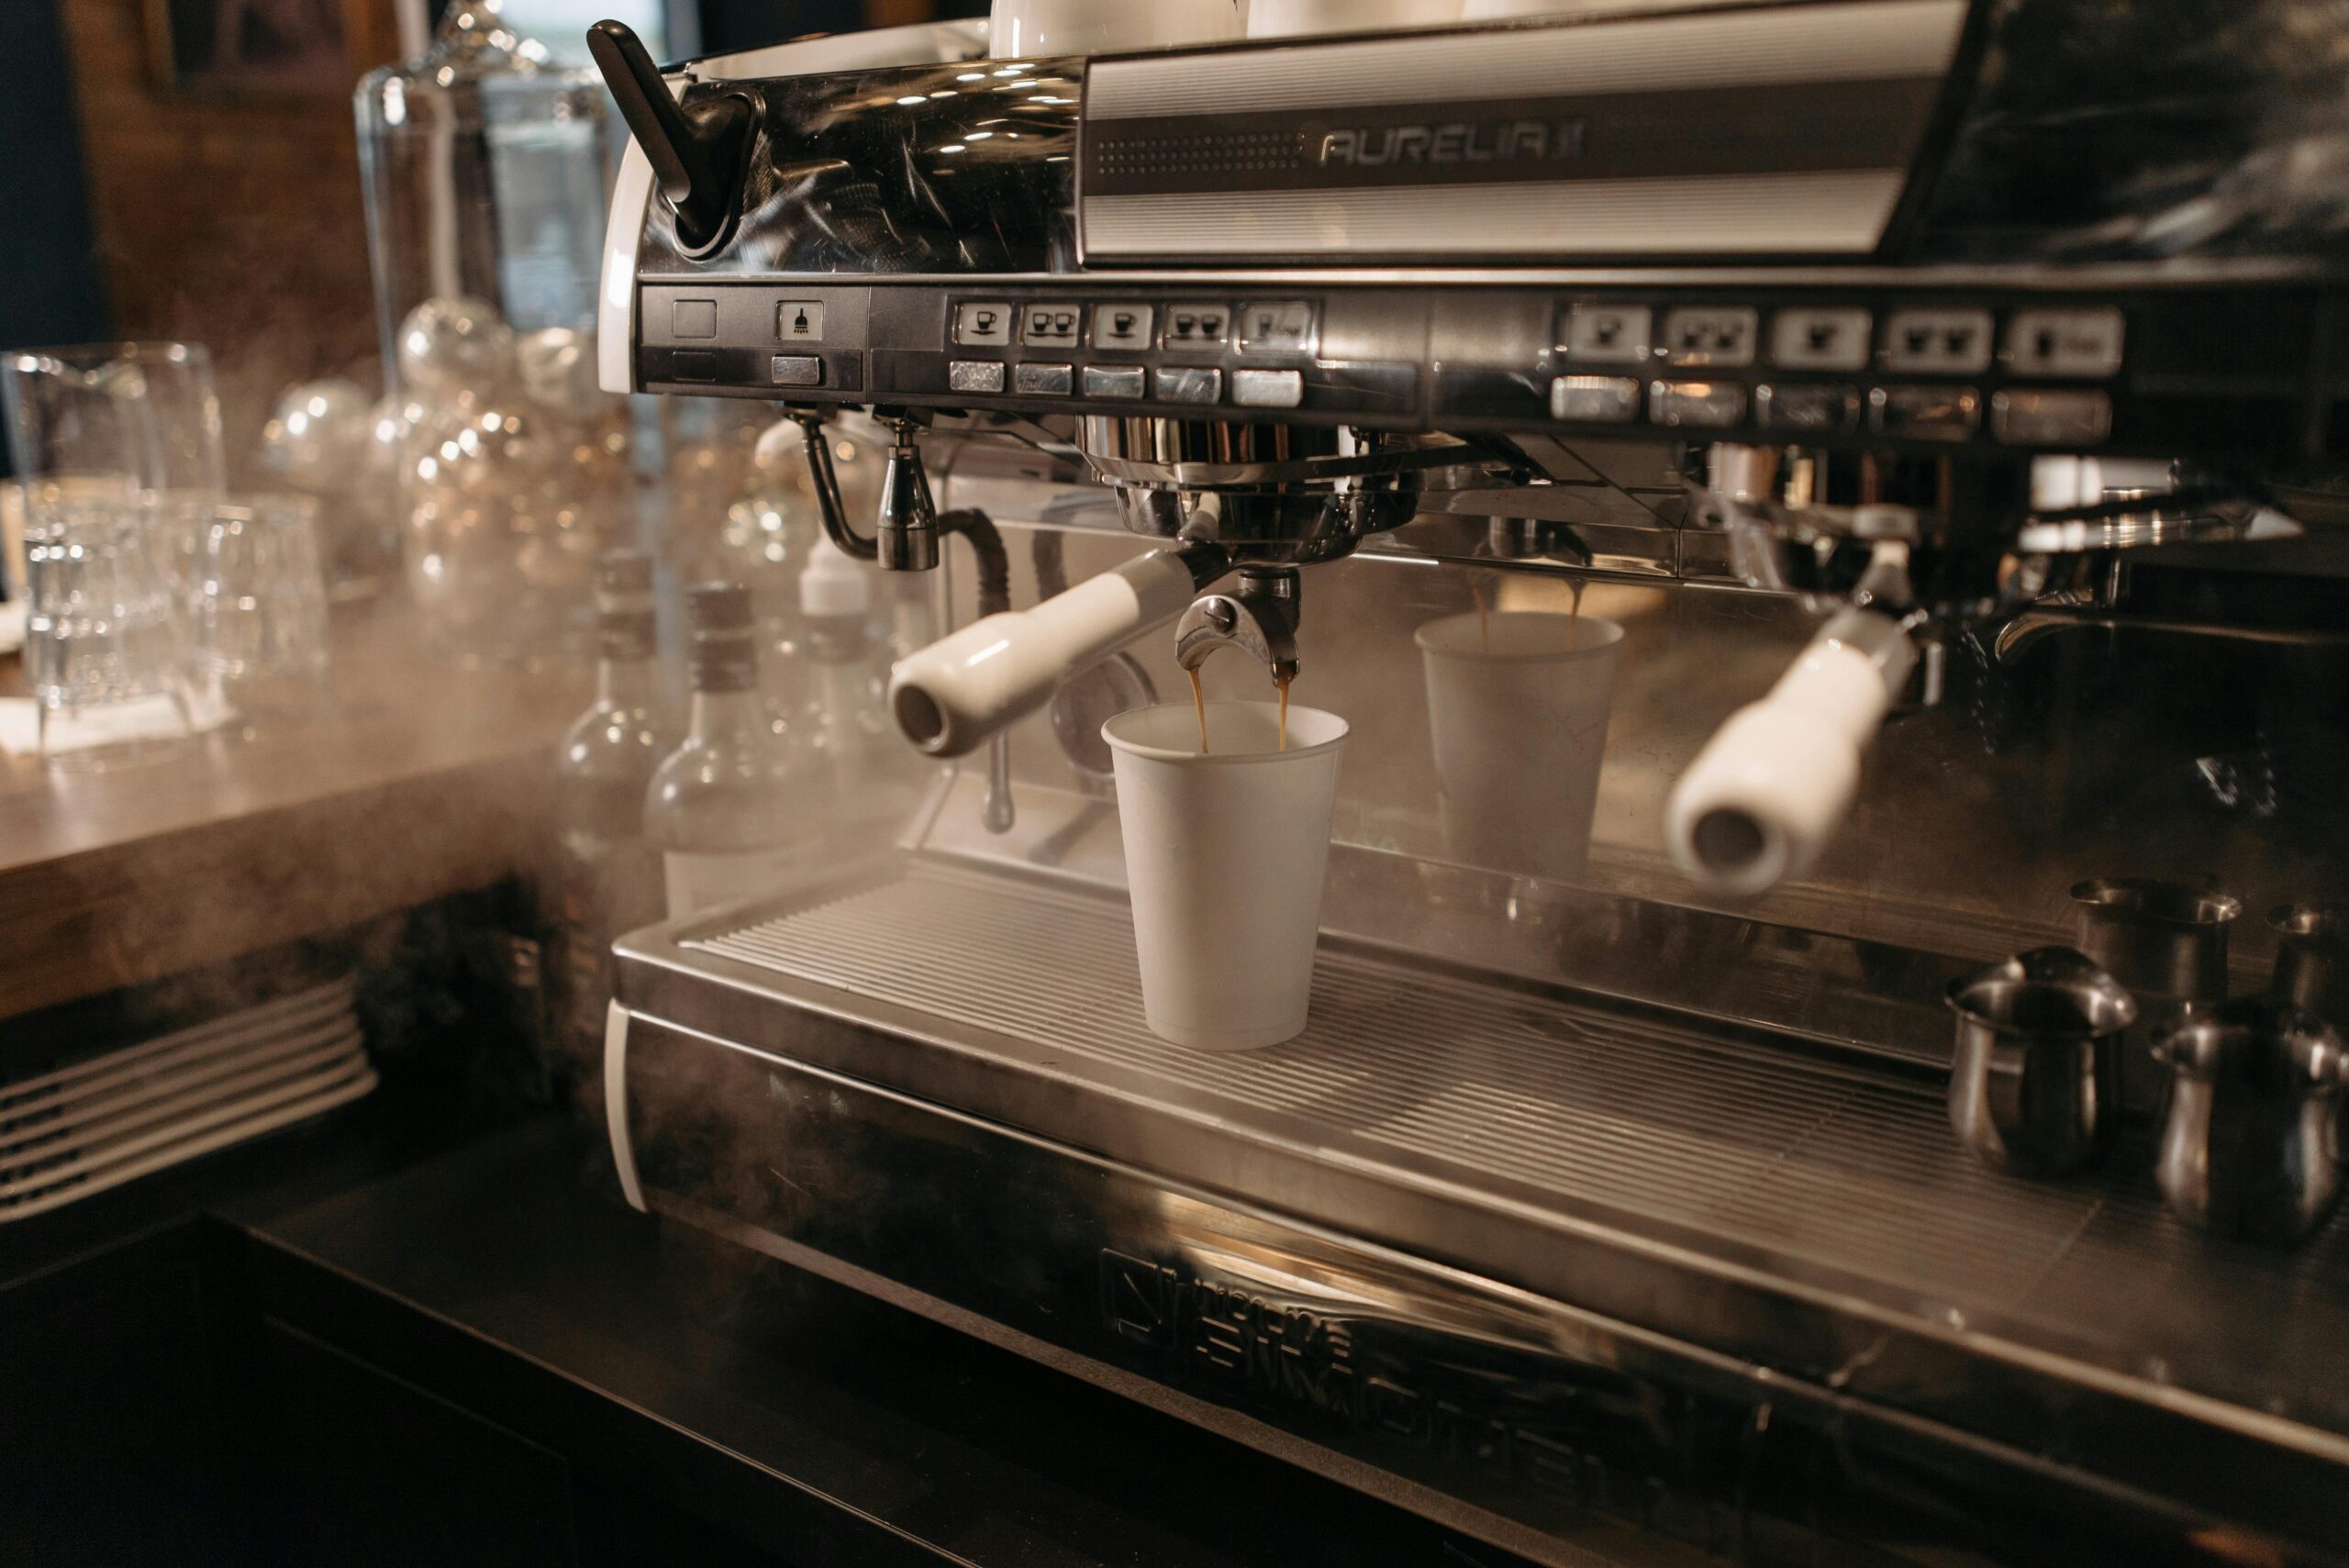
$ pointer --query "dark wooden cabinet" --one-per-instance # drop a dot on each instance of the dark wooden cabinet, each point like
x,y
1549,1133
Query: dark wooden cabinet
x,y
153,1414
113,1451
378,1474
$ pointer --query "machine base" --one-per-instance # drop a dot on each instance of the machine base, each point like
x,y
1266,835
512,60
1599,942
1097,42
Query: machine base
x,y
1582,1278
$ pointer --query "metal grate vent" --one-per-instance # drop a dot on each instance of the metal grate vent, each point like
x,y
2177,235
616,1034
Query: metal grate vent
x,y
74,1132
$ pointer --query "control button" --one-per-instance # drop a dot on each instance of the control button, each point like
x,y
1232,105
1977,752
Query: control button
x,y
1937,342
983,325
1200,323
799,321
1276,327
1115,380
2064,342
1189,384
1044,380
975,375
796,369
1813,408
1925,412
2051,418
1122,326
1821,339
1607,334
1049,326
1268,389
1595,399
1708,403
1712,335
693,319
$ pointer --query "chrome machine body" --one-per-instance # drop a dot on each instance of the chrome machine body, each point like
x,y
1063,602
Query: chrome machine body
x,y
1622,1222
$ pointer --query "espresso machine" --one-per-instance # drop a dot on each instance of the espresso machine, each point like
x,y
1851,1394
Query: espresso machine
x,y
1948,396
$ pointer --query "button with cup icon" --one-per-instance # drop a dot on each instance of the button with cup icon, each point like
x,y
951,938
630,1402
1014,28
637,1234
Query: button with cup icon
x,y
1120,326
983,324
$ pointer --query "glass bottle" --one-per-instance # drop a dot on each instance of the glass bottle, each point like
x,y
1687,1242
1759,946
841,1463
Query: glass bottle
x,y
874,774
609,876
738,808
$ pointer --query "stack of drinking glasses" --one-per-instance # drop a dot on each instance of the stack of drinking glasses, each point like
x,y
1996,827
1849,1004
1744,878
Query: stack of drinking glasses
x,y
157,604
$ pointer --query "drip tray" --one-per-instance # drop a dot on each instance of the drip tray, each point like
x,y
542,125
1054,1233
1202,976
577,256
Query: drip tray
x,y
1742,1192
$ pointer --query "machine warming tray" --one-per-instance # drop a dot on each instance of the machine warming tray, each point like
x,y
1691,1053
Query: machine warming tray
x,y
1770,1200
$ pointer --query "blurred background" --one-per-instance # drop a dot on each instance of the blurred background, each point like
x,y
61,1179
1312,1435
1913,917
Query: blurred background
x,y
188,170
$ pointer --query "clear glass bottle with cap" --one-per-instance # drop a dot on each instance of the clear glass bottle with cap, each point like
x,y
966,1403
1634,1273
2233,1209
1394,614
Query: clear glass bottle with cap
x,y
738,808
874,772
609,876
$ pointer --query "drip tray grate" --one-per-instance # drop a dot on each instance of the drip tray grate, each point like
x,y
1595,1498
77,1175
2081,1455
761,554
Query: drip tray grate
x,y
1749,1150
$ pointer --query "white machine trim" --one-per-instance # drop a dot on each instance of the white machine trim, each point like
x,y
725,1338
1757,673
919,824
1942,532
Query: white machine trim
x,y
616,307
616,1022
921,43
1841,212
1885,41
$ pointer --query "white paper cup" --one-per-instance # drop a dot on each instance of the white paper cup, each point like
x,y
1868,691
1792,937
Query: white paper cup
x,y
1519,729
1286,18
1224,857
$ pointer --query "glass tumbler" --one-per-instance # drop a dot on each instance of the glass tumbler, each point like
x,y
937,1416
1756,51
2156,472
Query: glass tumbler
x,y
112,417
98,436
106,648
256,603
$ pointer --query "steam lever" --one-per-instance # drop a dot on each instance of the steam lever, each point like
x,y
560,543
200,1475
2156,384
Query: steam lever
x,y
698,152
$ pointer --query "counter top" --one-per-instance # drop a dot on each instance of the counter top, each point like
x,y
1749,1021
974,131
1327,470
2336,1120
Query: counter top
x,y
419,780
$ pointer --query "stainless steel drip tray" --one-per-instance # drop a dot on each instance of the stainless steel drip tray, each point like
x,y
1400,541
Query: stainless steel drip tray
x,y
1746,1194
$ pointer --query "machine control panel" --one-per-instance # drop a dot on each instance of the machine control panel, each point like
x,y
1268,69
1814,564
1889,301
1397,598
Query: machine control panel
x,y
1919,369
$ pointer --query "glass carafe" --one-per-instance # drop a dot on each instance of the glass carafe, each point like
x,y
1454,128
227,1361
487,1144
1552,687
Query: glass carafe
x,y
486,170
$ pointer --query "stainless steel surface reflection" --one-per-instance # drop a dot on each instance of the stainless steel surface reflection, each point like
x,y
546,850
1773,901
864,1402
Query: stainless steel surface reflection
x,y
2312,959
2034,1086
2169,938
2251,1146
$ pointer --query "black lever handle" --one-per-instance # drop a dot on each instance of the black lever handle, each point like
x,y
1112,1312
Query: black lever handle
x,y
697,153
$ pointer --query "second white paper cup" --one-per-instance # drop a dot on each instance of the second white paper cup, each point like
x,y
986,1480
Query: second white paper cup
x,y
1518,713
1225,854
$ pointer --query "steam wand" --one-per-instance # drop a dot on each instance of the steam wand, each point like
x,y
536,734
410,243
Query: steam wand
x,y
908,538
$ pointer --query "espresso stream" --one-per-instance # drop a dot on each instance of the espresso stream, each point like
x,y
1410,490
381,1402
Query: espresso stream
x,y
1485,620
1199,701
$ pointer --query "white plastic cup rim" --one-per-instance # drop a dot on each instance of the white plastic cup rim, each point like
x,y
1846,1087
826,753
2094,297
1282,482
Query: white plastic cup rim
x,y
1462,637
1302,722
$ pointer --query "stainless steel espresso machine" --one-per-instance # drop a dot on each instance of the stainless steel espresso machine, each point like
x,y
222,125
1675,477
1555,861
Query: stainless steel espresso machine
x,y
1949,400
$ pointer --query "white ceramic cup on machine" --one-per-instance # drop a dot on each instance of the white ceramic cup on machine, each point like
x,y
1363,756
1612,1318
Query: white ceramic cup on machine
x,y
1225,852
1286,18
1021,28
1517,707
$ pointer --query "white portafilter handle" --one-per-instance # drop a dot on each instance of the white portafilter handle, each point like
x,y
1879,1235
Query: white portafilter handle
x,y
1774,783
950,696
